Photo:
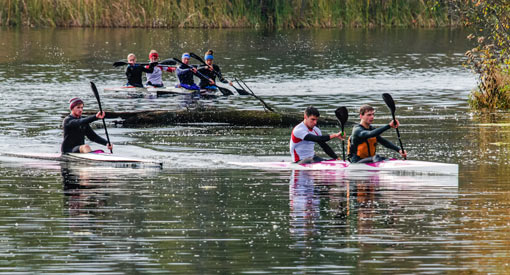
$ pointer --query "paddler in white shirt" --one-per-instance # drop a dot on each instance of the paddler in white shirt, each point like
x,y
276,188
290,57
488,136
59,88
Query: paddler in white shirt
x,y
155,78
306,134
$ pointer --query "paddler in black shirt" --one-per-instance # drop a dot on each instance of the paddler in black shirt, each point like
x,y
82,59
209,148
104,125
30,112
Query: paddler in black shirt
x,y
364,138
134,71
209,71
76,128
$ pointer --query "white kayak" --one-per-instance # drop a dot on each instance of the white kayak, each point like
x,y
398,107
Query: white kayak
x,y
387,165
156,91
88,157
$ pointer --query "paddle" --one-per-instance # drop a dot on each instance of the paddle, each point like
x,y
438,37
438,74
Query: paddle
x,y
391,105
239,91
253,94
168,62
201,75
96,93
342,115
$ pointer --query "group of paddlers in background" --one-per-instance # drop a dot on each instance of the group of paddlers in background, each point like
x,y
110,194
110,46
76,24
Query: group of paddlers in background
x,y
185,72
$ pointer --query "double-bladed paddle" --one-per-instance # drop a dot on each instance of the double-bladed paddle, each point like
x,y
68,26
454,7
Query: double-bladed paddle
x,y
342,115
253,94
96,93
391,105
201,60
201,75
166,62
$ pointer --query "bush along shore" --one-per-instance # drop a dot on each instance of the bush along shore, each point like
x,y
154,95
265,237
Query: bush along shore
x,y
490,58
225,14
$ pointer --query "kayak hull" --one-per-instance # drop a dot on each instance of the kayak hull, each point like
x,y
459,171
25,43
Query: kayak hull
x,y
387,165
87,157
158,91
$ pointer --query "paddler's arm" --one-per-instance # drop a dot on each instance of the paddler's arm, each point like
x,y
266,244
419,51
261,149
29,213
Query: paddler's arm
x,y
220,76
95,137
388,144
327,150
75,123
150,68
364,133
168,68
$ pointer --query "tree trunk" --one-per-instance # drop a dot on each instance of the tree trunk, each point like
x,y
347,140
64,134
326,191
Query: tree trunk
x,y
232,117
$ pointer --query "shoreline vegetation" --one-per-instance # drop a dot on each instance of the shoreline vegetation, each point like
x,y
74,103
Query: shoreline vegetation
x,y
271,14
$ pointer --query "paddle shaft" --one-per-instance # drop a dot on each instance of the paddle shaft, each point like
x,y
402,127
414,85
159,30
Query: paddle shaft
x,y
104,125
166,63
253,94
96,93
343,143
199,74
205,64
398,134
201,60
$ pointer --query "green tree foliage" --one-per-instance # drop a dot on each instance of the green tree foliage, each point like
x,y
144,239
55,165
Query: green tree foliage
x,y
490,22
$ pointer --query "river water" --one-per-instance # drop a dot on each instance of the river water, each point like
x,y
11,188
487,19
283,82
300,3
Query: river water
x,y
199,214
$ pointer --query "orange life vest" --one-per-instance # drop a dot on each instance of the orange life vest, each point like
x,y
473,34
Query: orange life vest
x,y
364,149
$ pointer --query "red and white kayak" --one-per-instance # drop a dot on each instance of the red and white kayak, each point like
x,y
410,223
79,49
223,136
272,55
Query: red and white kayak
x,y
387,165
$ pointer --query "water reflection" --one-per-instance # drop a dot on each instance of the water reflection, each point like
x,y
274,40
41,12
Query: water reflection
x,y
354,205
99,206
83,197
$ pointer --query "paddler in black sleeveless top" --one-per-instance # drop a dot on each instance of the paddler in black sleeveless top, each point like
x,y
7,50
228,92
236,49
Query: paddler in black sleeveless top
x,y
209,72
76,128
134,71
362,143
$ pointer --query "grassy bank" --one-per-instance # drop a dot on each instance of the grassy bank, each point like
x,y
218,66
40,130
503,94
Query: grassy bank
x,y
223,14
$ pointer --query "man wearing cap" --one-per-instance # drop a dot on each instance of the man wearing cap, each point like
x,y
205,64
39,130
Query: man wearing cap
x,y
211,70
76,128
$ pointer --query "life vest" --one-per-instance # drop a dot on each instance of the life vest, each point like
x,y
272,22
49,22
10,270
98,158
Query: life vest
x,y
364,149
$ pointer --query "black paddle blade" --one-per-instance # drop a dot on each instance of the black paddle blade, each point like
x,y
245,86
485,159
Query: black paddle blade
x,y
95,91
119,63
177,60
225,91
96,94
389,102
241,91
197,57
169,61
342,114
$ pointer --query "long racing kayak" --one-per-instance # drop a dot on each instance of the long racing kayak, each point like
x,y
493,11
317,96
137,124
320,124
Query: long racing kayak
x,y
95,157
387,165
157,91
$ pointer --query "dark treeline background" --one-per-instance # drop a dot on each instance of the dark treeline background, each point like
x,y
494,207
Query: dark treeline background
x,y
225,13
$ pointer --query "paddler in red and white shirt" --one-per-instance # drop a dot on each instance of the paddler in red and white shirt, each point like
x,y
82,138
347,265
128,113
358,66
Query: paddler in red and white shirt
x,y
154,79
306,134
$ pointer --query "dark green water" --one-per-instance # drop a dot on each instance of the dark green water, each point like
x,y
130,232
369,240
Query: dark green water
x,y
201,215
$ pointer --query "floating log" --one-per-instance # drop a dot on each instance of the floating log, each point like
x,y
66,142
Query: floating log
x,y
232,117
